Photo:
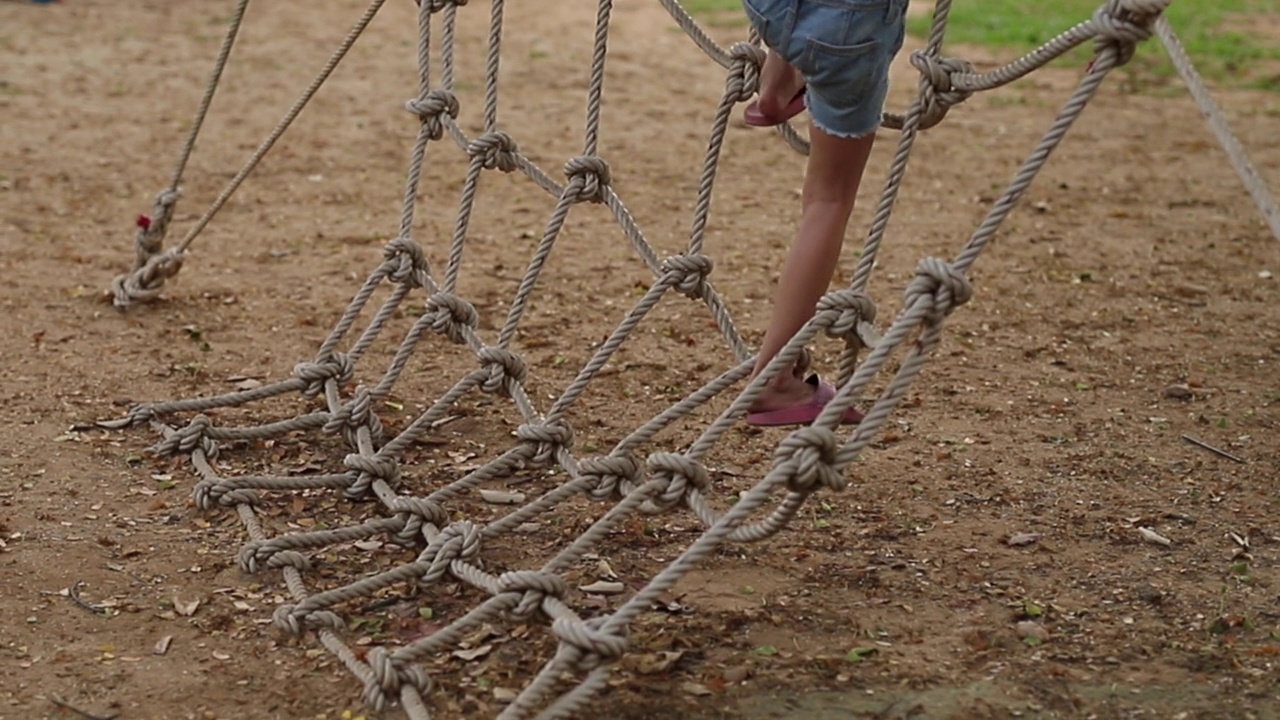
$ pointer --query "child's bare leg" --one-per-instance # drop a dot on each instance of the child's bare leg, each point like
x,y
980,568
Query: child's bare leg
x,y
832,177
779,83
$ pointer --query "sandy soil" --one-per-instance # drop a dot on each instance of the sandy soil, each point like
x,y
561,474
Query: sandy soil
x,y
1129,301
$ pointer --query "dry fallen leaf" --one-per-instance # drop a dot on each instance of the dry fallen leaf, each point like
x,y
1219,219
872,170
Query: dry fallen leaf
x,y
501,497
1152,536
697,689
504,695
1023,539
186,609
603,587
653,663
473,653
1031,629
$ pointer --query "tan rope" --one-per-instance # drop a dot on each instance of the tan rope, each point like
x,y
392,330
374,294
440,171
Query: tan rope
x,y
1253,182
807,461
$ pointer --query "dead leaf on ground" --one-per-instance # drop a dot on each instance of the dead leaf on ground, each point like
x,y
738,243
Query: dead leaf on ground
x,y
1020,539
603,587
1154,537
695,689
473,653
501,497
653,663
186,609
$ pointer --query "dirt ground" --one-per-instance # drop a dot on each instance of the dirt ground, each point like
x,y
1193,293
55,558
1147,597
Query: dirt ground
x,y
985,560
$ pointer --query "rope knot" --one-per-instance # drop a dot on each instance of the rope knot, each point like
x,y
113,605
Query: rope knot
x,y
1123,29
146,282
370,468
450,315
1144,7
534,587
745,61
947,286
588,177
390,674
809,456
137,415
546,440
495,150
152,228
407,261
270,553
416,513
940,94
261,554
681,475
209,494
436,6
289,558
458,541
352,415
187,439
293,619
506,370
856,313
597,646
335,367
430,107
612,476
691,273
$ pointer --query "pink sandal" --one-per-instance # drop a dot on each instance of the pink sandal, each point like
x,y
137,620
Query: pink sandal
x,y
805,413
755,118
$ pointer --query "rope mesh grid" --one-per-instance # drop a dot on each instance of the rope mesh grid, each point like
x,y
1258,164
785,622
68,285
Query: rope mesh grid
x,y
449,550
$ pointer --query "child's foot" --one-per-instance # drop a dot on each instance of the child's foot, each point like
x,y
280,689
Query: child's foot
x,y
796,392
798,403
781,95
756,116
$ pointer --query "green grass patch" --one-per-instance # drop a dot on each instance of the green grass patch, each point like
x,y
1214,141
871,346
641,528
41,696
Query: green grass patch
x,y
1225,40
717,13
1222,37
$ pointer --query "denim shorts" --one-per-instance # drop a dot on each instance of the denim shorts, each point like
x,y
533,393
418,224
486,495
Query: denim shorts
x,y
843,48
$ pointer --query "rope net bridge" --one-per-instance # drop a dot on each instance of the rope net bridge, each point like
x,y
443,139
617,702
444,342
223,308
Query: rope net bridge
x,y
808,460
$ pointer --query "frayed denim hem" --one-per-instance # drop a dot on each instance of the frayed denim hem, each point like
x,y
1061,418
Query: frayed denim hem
x,y
854,135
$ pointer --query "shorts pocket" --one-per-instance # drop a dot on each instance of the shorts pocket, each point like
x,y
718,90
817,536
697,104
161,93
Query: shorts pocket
x,y
846,74
819,52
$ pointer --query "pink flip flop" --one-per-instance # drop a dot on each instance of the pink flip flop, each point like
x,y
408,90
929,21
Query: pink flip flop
x,y
752,116
806,413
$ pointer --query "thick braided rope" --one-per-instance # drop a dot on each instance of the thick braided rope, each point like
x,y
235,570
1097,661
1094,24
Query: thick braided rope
x,y
145,282
1254,183
809,460
151,268
928,301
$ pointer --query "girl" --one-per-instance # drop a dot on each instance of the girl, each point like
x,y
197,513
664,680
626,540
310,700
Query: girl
x,y
832,57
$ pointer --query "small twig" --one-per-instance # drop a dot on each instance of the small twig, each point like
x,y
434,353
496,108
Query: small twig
x,y
1213,449
73,592
386,602
1182,301
82,713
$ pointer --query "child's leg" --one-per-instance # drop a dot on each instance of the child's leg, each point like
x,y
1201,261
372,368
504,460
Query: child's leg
x,y
832,177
